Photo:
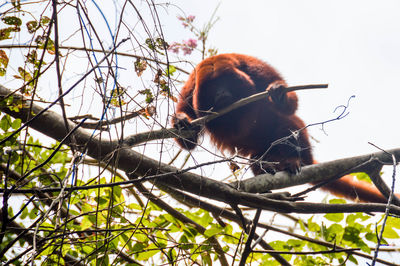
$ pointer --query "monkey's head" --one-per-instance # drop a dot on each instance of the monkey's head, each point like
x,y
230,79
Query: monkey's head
x,y
221,90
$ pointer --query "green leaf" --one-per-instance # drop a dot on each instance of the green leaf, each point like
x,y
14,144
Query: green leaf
x,y
295,244
73,212
145,255
32,26
206,259
388,232
16,124
171,256
33,214
141,237
138,247
393,222
371,237
24,214
161,238
334,233
11,20
352,218
352,235
87,249
3,62
353,259
314,227
44,20
212,231
334,217
279,245
5,123
117,195
302,226
26,76
134,206
86,223
5,33
337,201
362,176
102,201
230,239
86,207
170,70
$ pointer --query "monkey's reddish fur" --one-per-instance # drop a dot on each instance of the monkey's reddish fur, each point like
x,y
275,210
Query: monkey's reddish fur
x,y
251,130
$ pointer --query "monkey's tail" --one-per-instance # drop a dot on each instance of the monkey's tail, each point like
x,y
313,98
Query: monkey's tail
x,y
351,188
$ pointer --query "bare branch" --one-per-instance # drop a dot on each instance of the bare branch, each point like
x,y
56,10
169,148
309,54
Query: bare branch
x,y
247,249
253,98
391,198
317,172
173,132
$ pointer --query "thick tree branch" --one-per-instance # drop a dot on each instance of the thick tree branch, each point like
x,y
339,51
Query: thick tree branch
x,y
138,165
317,172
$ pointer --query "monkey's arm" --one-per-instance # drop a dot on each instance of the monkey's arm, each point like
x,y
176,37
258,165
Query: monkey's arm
x,y
185,114
285,102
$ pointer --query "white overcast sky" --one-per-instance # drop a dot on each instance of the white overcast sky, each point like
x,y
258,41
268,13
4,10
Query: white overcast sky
x,y
352,45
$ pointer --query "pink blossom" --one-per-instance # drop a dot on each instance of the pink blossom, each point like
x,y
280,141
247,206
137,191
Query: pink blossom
x,y
187,50
190,18
192,43
174,47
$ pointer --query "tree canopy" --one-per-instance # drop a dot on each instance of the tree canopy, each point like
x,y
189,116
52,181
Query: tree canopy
x,y
91,174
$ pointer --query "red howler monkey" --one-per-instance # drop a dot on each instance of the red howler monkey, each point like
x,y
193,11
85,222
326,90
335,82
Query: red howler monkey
x,y
221,80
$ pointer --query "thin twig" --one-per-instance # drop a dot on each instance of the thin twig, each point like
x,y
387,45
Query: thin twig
x,y
347,250
97,51
391,198
253,98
